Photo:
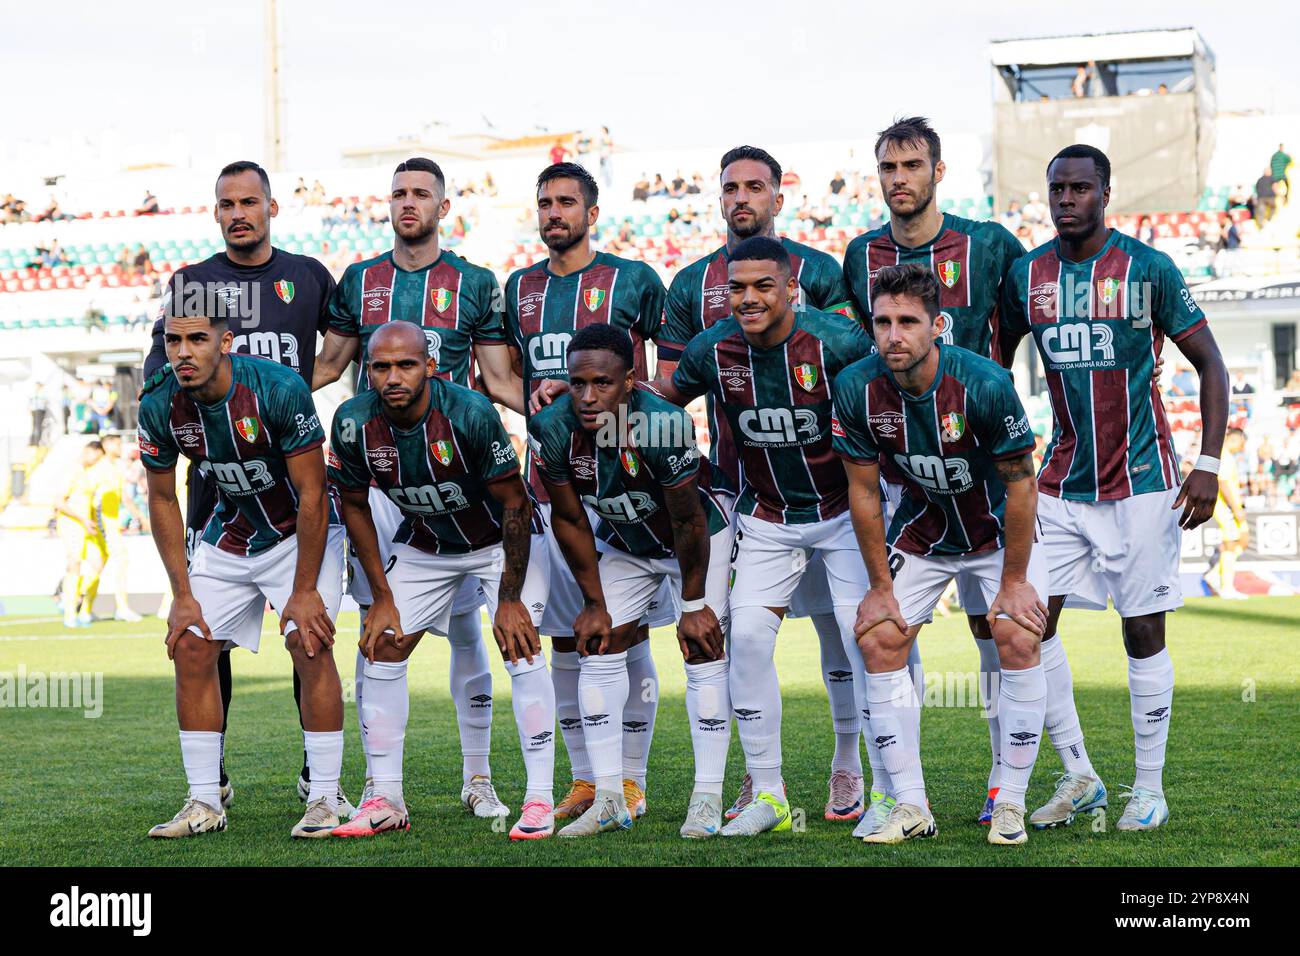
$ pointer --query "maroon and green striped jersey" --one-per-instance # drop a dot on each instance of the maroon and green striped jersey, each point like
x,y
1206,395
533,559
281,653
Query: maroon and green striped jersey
x,y
971,261
777,402
700,297
240,443
624,483
455,302
543,310
436,472
943,444
1099,326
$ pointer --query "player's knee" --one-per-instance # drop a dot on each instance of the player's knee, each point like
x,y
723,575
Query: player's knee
x,y
1144,636
194,657
1017,647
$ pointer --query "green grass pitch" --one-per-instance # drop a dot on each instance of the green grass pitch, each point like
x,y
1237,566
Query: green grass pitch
x,y
79,791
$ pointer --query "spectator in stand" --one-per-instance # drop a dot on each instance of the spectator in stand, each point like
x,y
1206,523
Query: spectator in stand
x,y
1264,197
317,193
558,152
678,188
123,261
1011,218
1146,232
641,189
1185,381
141,263
40,409
15,210
606,157
837,183
1026,236
697,185
53,213
149,207
1240,198
1240,386
1229,242
1279,167
1095,85
584,147
1035,211
659,187
1292,386
1162,90
1079,86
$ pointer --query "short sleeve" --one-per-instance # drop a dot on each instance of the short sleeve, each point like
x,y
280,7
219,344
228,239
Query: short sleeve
x,y
293,417
158,451
1176,313
831,293
693,376
850,437
510,315
851,271
650,319
342,308
1011,313
678,326
676,462
549,443
345,465
489,324
494,454
328,287
1001,424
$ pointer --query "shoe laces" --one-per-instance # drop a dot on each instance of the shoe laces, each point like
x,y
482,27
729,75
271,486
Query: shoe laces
x,y
844,784
318,811
481,787
534,813
701,812
193,808
1142,798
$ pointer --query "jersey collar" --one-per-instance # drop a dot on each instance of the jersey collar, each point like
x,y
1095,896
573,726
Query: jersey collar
x,y
945,224
1110,241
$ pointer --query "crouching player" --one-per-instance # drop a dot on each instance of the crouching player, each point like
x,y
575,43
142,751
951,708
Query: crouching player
x,y
440,453
249,426
951,422
631,458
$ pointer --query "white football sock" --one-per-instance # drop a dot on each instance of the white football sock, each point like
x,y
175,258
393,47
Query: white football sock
x,y
358,686
880,782
533,697
1151,695
1062,722
325,761
1022,703
639,712
201,756
756,695
708,707
564,677
384,712
471,690
837,676
892,701
990,671
602,692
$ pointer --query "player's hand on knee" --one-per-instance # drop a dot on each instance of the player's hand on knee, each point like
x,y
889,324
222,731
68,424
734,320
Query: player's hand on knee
x,y
307,611
185,613
593,629
1019,601
1196,498
383,622
514,632
699,631
878,607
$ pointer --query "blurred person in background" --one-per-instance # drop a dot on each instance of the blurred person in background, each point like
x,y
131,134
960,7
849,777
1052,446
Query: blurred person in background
x,y
81,530
114,506
606,145
40,409
1230,514
1279,167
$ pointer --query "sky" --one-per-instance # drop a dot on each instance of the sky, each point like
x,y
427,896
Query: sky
x,y
661,74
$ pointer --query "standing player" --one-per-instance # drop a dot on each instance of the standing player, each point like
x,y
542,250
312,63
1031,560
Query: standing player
x,y
457,306
1230,515
631,457
951,424
546,304
440,453
113,502
276,303
1099,305
81,530
970,260
698,299
769,368
257,437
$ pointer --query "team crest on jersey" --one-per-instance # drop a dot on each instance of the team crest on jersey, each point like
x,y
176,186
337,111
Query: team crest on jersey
x,y
248,427
593,299
442,451
950,272
442,299
630,464
1109,289
806,375
954,425
284,289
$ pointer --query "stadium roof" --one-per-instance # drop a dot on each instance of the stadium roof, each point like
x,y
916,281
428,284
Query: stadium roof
x,y
1134,45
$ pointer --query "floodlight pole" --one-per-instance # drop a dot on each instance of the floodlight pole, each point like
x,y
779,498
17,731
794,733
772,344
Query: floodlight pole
x,y
274,122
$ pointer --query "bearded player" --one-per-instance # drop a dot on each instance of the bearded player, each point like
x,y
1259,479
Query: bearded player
x,y
769,368
631,458
970,260
457,307
546,304
951,424
271,538
440,453
1099,305
698,299
275,302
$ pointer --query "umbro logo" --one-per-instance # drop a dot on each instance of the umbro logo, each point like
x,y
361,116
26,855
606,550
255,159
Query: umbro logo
x,y
712,721
1022,738
594,718
569,722
884,741
481,698
541,738
743,714
1158,712
636,726
481,701
1163,589
839,676
538,606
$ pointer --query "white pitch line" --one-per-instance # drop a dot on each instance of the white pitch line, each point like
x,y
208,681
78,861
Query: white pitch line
x,y
18,622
